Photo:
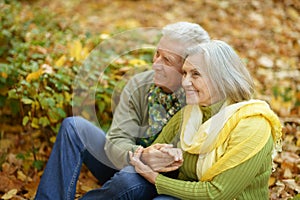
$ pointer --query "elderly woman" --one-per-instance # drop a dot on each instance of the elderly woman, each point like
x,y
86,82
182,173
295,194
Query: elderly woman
x,y
226,138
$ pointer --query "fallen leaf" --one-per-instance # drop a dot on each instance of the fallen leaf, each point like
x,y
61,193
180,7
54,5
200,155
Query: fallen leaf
x,y
10,194
61,61
292,184
34,75
272,181
266,62
9,183
21,176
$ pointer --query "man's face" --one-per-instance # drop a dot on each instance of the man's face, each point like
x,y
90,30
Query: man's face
x,y
167,64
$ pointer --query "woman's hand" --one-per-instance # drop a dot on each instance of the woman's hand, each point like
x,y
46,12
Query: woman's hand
x,y
140,167
176,153
160,157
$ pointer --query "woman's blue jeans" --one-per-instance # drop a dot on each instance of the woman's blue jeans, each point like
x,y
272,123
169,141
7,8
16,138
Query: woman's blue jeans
x,y
77,142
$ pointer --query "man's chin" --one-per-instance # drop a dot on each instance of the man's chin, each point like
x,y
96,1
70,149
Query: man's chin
x,y
163,87
159,83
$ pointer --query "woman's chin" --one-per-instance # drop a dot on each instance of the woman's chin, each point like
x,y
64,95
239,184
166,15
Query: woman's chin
x,y
192,102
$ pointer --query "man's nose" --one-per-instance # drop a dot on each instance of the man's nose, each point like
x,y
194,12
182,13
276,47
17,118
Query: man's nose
x,y
157,66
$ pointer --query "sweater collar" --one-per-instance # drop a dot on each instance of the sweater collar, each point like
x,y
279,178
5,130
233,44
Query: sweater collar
x,y
209,111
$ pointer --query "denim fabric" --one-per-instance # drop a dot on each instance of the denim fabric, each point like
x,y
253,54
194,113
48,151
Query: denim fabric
x,y
124,185
165,197
79,141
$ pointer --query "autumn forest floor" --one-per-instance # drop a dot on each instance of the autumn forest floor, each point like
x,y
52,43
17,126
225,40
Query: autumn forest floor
x,y
264,33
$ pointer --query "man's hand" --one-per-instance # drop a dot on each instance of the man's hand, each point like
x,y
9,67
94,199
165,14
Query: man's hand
x,y
176,153
162,157
140,167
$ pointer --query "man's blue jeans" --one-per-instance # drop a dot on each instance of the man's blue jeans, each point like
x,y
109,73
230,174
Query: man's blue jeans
x,y
77,142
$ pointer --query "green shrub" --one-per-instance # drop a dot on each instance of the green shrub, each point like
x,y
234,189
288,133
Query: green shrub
x,y
45,74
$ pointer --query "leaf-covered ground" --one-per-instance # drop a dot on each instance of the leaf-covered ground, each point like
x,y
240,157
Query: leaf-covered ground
x,y
265,33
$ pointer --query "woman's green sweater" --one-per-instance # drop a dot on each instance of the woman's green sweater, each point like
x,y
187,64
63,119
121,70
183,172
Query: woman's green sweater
x,y
249,180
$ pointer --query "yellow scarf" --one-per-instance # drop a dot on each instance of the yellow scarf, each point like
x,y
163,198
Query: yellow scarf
x,y
209,139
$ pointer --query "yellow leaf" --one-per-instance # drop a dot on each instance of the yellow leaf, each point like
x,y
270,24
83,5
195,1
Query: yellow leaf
x,y
10,194
52,139
4,75
35,123
61,61
293,13
75,50
34,75
298,142
137,62
67,97
272,181
21,176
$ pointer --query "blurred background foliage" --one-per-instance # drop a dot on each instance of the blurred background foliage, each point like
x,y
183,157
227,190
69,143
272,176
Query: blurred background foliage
x,y
51,53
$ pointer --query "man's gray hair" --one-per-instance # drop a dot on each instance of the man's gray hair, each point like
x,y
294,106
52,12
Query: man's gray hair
x,y
186,32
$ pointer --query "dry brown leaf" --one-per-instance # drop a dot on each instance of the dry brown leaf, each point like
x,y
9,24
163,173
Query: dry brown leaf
x,y
9,182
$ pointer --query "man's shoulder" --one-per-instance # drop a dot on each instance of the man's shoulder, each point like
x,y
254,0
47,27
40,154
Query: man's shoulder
x,y
142,79
146,76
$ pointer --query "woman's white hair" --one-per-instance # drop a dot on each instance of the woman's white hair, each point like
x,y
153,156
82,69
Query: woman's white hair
x,y
187,33
226,70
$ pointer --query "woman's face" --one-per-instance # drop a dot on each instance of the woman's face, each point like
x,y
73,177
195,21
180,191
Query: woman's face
x,y
199,89
167,65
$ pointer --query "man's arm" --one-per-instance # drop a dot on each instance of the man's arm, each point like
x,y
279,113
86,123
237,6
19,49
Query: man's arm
x,y
130,122
130,119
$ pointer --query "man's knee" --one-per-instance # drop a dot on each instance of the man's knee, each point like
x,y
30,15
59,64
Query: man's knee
x,y
72,121
133,185
129,178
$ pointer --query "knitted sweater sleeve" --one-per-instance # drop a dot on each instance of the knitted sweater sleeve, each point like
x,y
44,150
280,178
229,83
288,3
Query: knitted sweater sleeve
x,y
233,182
130,120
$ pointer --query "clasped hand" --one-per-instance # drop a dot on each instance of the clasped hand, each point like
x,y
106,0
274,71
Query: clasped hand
x,y
156,158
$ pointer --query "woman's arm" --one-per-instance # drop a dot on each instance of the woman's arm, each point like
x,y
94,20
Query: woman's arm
x,y
228,184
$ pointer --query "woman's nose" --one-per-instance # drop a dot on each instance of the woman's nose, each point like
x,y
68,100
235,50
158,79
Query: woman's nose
x,y
186,81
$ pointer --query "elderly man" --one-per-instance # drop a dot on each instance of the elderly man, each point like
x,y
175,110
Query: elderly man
x,y
147,102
